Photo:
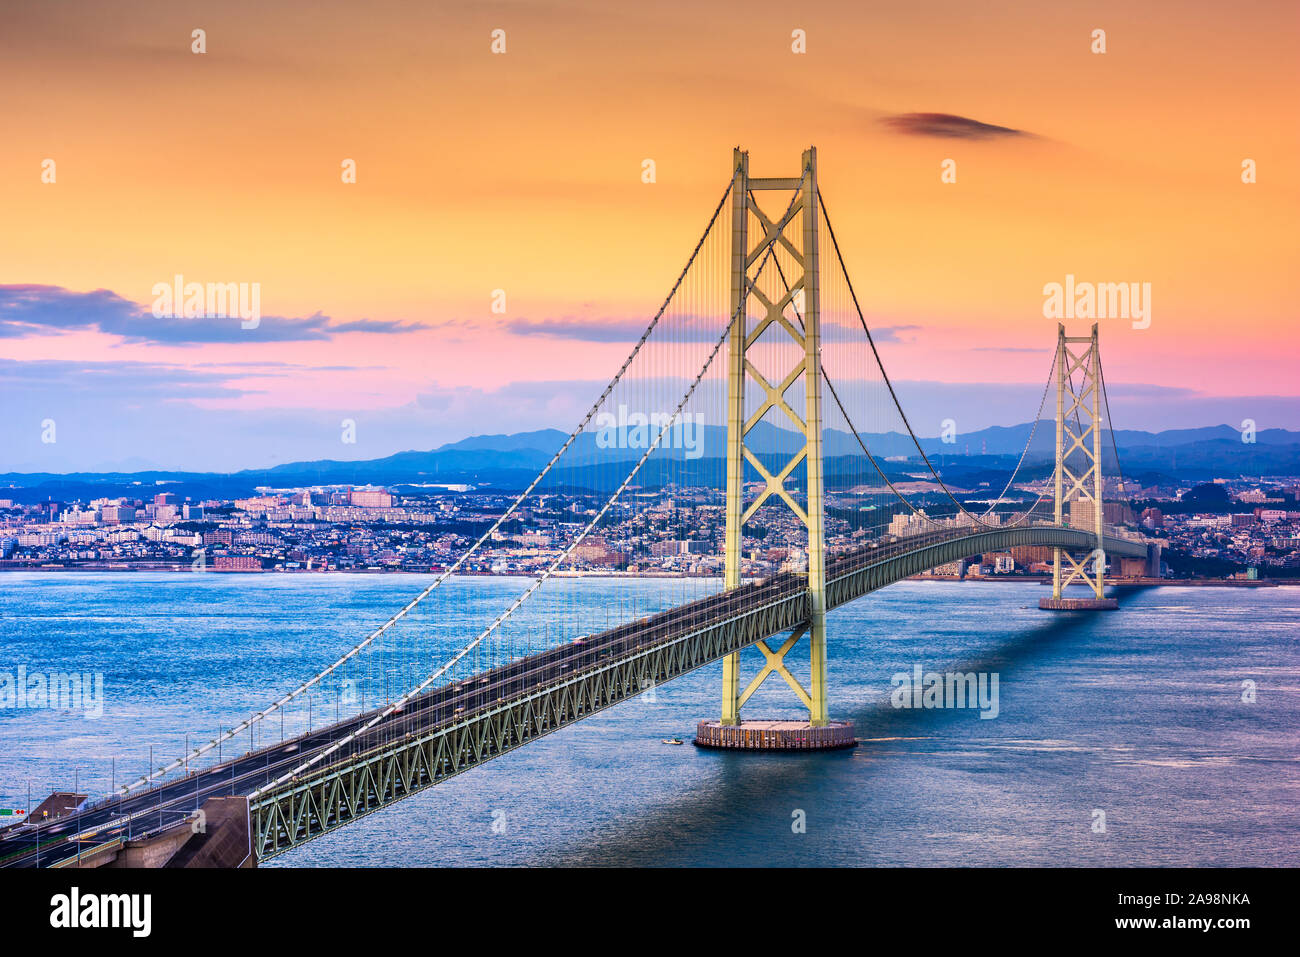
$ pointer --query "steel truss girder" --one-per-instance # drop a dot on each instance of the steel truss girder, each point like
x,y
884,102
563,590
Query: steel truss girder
x,y
332,796
842,589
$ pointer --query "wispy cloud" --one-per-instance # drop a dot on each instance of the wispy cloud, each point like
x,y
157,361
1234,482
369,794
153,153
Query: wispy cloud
x,y
679,328
586,330
181,416
947,126
891,333
29,309
98,382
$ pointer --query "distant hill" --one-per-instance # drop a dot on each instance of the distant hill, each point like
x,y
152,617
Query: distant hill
x,y
512,460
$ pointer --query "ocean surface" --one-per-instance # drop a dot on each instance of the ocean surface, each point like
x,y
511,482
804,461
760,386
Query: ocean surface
x,y
1137,715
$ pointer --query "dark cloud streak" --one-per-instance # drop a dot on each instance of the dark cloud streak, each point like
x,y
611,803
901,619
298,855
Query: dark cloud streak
x,y
947,126
30,309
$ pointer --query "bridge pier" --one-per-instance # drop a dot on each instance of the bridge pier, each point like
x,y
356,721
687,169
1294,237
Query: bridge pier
x,y
775,736
1078,604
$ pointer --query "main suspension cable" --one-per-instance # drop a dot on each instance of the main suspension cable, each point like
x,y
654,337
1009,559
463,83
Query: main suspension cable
x,y
455,566
537,583
978,519
894,395
545,575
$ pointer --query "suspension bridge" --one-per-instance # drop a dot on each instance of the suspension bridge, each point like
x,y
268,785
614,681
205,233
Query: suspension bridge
x,y
758,336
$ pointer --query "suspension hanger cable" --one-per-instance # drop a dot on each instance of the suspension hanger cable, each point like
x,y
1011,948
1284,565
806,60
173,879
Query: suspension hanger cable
x,y
894,395
550,570
154,774
978,519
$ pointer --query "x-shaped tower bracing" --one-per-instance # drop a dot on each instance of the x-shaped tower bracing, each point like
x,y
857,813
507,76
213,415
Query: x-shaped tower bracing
x,y
795,309
1079,444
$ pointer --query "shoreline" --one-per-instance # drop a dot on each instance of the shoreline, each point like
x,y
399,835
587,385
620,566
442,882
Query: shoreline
x,y
983,580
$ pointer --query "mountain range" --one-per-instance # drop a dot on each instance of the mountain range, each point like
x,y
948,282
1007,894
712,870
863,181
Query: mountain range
x,y
505,461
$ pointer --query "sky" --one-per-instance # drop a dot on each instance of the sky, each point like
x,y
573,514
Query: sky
x,y
478,171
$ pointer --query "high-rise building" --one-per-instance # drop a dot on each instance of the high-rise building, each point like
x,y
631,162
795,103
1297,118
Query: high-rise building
x,y
118,514
1083,514
370,498
1153,518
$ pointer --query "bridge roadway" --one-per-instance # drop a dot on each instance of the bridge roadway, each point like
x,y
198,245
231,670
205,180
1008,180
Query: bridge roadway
x,y
164,805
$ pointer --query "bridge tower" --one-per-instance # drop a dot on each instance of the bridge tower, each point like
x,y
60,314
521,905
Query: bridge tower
x,y
1078,475
795,312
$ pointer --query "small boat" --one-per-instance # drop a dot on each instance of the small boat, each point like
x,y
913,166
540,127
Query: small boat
x,y
672,741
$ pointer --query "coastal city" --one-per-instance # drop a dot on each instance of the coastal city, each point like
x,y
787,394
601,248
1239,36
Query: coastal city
x,y
1225,529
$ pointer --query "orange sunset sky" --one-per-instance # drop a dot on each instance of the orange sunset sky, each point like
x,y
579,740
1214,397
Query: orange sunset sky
x,y
522,171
